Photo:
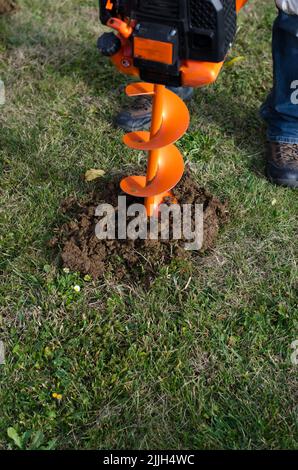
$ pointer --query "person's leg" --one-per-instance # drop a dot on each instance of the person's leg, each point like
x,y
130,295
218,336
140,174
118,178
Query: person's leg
x,y
280,111
138,115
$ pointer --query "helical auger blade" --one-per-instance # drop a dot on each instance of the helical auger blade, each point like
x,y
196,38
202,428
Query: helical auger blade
x,y
174,123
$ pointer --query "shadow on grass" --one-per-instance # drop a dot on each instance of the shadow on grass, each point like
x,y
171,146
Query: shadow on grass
x,y
65,57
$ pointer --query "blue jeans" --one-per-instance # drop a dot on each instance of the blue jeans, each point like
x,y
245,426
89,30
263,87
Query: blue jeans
x,y
280,111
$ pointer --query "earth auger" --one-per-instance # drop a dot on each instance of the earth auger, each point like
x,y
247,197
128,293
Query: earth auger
x,y
165,43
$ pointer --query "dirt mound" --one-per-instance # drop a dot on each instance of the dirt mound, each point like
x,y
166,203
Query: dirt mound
x,y
83,252
7,6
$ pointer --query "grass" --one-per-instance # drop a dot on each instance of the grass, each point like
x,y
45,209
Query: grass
x,y
167,367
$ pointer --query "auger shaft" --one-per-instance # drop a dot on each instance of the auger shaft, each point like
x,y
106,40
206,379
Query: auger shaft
x,y
153,155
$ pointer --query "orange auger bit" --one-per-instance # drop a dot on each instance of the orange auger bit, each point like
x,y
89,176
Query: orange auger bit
x,y
170,120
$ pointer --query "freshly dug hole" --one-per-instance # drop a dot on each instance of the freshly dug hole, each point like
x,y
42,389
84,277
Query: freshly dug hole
x,y
83,252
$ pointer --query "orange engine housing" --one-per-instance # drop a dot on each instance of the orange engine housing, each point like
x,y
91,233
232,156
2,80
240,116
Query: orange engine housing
x,y
193,73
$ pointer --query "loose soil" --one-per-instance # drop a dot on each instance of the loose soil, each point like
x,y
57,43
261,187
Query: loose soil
x,y
81,251
7,6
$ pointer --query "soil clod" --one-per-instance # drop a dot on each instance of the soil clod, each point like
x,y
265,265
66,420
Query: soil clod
x,y
7,6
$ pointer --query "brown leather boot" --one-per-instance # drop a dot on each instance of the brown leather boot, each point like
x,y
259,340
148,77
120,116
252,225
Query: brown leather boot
x,y
137,116
282,164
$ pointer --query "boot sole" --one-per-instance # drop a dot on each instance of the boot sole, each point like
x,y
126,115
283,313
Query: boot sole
x,y
280,182
143,125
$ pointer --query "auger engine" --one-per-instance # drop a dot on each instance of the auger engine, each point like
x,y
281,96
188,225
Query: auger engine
x,y
165,41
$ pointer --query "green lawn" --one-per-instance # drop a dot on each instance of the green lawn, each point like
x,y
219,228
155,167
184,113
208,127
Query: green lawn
x,y
203,367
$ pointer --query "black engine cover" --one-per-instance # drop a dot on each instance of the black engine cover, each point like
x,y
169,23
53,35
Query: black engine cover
x,y
206,27
205,30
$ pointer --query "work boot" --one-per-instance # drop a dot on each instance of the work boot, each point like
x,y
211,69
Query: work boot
x,y
282,164
138,115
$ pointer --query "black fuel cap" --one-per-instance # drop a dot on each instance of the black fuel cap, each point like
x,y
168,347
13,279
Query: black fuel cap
x,y
108,44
